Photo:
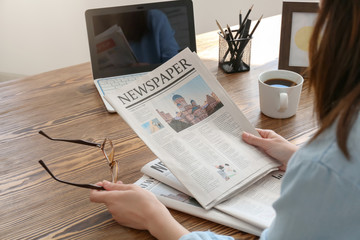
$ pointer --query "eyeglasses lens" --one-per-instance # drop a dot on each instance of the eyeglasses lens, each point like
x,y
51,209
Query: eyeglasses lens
x,y
109,153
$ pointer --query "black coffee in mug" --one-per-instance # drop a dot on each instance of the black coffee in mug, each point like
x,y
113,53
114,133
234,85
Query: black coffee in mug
x,y
280,82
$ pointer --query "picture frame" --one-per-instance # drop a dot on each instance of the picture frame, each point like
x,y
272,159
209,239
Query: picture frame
x,y
298,19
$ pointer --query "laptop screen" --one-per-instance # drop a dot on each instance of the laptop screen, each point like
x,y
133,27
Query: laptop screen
x,y
138,38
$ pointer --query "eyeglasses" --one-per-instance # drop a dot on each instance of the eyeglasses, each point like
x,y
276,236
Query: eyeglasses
x,y
106,147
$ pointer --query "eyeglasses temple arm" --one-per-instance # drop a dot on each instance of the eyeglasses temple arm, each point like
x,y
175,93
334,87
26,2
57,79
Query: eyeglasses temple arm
x,y
91,186
70,140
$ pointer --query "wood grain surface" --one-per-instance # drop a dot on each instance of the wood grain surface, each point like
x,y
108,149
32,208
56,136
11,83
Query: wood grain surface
x,y
65,104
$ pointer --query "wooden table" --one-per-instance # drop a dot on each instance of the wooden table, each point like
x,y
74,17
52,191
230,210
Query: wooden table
x,y
65,104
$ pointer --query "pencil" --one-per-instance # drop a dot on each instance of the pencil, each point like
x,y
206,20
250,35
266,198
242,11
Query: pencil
x,y
221,29
230,33
252,32
240,19
247,14
244,21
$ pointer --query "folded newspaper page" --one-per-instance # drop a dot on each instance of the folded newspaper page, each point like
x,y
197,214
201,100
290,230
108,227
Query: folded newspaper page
x,y
187,119
253,205
176,200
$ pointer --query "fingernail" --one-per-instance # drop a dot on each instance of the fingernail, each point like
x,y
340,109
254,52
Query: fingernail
x,y
106,182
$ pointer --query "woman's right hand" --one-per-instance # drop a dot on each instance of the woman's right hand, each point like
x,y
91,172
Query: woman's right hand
x,y
134,207
272,144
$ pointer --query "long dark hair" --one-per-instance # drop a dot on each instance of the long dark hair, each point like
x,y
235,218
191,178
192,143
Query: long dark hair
x,y
334,69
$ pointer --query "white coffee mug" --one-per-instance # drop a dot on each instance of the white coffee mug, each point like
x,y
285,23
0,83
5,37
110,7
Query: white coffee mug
x,y
279,101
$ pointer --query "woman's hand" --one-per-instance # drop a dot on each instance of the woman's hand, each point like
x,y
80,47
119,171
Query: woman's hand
x,y
272,144
134,207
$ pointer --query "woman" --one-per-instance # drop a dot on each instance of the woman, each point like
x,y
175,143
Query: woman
x,y
320,196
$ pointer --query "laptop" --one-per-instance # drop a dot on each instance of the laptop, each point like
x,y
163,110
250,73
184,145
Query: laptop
x,y
128,41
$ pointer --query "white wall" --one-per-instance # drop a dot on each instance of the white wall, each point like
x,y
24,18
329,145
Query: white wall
x,y
42,35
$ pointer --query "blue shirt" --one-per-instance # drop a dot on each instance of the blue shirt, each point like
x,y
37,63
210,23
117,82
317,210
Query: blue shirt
x,y
320,193
159,44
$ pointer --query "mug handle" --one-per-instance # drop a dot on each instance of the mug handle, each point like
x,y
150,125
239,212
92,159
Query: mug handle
x,y
283,102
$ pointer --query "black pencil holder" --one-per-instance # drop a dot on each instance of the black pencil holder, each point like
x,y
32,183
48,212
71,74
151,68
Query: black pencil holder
x,y
234,55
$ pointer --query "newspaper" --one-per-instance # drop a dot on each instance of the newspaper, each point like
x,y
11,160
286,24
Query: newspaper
x,y
177,200
253,205
187,119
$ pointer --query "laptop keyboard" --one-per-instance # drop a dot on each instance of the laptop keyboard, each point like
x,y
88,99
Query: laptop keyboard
x,y
112,83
